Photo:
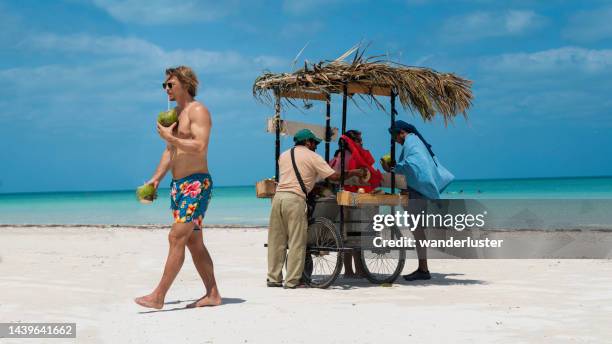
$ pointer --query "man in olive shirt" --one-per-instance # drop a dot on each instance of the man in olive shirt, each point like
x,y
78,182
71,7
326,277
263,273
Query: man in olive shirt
x,y
288,218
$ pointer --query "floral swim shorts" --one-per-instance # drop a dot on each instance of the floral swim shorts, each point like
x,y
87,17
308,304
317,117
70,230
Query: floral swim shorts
x,y
189,198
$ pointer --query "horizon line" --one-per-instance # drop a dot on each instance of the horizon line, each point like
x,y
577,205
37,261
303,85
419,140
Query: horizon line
x,y
253,185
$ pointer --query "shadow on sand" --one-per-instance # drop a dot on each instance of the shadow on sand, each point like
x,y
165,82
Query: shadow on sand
x,y
436,279
226,301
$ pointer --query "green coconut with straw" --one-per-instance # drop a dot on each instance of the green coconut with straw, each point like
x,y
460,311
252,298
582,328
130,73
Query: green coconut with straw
x,y
167,118
387,158
146,193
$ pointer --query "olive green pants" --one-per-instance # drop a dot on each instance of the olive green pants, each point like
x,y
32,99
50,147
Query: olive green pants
x,y
288,226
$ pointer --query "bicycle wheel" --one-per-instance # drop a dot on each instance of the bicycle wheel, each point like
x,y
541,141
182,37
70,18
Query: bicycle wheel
x,y
383,265
323,253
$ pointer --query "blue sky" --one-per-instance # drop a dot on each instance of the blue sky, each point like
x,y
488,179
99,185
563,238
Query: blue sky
x,y
81,82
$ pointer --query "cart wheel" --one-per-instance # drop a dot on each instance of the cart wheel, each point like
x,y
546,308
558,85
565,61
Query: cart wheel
x,y
323,253
383,265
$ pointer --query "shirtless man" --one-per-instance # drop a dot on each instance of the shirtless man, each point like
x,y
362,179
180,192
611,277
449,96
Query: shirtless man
x,y
186,154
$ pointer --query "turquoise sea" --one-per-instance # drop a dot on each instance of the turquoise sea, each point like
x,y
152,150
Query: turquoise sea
x,y
237,205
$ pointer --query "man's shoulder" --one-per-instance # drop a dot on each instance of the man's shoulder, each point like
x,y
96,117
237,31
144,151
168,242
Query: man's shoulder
x,y
196,107
285,155
300,152
312,157
199,105
198,110
305,152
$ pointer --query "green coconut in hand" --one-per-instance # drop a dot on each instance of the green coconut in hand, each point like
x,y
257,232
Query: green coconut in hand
x,y
387,158
146,194
167,118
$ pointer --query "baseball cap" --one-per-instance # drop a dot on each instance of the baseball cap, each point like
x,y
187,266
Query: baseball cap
x,y
305,134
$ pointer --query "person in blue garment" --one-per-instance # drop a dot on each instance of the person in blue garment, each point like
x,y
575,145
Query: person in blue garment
x,y
426,179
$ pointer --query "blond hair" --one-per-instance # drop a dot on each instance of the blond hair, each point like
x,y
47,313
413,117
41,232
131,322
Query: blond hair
x,y
186,77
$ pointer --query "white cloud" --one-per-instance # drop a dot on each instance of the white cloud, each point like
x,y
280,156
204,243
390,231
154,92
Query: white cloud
x,y
565,84
481,24
553,60
149,55
589,26
115,77
152,12
84,43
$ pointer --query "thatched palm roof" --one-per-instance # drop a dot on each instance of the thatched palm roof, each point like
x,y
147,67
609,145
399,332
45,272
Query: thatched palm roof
x,y
418,89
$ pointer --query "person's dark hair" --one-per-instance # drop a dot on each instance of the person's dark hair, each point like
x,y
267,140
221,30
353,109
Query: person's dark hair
x,y
353,135
303,143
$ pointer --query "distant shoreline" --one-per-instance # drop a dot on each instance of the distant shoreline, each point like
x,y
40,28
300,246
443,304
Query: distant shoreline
x,y
253,185
565,203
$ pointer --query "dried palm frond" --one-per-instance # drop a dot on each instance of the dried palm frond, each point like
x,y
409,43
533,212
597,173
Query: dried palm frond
x,y
419,89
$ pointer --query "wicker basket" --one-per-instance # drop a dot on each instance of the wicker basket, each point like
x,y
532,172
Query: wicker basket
x,y
265,188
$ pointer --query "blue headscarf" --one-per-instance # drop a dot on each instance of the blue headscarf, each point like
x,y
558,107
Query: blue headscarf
x,y
409,128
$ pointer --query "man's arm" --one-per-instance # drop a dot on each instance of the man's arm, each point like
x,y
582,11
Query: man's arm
x,y
200,121
325,171
162,167
359,172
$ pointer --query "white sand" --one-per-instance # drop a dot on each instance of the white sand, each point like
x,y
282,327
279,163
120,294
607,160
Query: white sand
x,y
90,275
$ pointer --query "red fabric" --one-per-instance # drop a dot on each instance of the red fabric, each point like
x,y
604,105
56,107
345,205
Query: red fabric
x,y
362,158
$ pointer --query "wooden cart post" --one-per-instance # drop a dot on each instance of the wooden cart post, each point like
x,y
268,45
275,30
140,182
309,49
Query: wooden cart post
x,y
277,124
342,153
392,153
342,144
328,133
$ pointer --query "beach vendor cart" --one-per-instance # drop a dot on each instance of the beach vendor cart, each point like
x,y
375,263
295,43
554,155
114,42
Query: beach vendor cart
x,y
342,220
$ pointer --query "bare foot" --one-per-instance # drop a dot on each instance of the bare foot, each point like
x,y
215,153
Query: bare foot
x,y
206,301
149,301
